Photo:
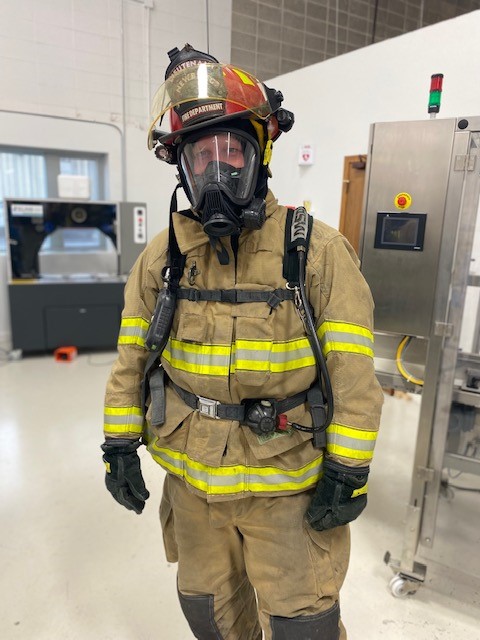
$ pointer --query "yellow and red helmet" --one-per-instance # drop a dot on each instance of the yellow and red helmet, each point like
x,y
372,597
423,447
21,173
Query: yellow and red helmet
x,y
208,93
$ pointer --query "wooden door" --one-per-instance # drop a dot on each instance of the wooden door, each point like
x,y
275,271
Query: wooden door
x,y
352,198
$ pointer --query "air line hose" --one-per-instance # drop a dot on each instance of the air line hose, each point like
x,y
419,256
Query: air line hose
x,y
321,365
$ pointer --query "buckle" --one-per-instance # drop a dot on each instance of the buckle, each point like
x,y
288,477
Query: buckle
x,y
208,407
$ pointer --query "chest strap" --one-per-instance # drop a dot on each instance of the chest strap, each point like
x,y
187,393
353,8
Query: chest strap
x,y
214,409
234,296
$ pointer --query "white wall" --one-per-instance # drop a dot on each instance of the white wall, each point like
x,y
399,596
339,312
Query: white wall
x,y
73,61
336,101
79,75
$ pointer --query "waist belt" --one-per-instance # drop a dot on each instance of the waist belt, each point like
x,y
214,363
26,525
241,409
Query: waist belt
x,y
214,409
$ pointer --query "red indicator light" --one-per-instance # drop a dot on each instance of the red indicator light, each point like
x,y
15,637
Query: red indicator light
x,y
436,82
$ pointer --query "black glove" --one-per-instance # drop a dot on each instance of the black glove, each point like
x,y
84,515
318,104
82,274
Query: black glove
x,y
124,478
340,496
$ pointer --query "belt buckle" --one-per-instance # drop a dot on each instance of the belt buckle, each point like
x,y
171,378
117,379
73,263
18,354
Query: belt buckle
x,y
208,407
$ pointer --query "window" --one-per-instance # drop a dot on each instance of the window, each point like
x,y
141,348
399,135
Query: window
x,y
22,175
28,173
82,167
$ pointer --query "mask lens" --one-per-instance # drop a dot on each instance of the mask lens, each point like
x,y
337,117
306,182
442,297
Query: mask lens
x,y
226,159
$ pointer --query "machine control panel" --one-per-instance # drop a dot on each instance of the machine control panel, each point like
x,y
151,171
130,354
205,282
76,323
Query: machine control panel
x,y
139,225
400,231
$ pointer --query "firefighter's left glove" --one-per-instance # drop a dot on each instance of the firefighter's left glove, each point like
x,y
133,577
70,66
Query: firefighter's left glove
x,y
340,496
124,477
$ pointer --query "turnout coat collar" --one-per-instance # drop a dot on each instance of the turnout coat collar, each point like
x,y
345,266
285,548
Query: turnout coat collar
x,y
190,235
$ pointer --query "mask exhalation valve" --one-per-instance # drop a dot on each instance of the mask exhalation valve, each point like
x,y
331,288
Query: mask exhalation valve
x,y
216,222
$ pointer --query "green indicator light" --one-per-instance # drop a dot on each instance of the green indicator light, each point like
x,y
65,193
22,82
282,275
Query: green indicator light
x,y
435,98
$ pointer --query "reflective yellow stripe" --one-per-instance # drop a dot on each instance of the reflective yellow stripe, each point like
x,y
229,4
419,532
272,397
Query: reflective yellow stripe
x,y
133,330
349,453
206,359
346,337
266,355
276,357
237,478
123,411
120,420
350,442
361,491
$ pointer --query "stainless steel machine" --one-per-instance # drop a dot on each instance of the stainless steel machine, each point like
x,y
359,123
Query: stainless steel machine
x,y
419,256
68,262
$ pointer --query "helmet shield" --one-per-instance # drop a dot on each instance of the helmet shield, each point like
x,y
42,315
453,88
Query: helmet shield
x,y
226,159
207,91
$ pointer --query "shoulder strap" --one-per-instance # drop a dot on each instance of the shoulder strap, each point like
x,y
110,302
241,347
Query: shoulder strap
x,y
171,274
176,260
298,229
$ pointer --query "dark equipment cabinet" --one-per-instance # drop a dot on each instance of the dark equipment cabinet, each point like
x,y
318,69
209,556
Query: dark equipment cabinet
x,y
47,315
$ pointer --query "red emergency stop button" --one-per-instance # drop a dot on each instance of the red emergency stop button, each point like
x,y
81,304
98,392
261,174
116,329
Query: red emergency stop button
x,y
402,200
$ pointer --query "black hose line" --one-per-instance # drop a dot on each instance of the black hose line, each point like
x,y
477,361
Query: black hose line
x,y
322,371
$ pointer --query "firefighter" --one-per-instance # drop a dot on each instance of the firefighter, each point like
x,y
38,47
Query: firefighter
x,y
258,381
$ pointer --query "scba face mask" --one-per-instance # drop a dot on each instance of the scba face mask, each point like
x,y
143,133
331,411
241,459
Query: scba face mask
x,y
219,170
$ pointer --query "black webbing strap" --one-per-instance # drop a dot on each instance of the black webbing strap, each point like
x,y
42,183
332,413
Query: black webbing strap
x,y
175,266
214,409
175,260
294,236
145,384
234,296
157,392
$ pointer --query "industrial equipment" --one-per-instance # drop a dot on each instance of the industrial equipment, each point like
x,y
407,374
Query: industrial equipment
x,y
68,263
418,253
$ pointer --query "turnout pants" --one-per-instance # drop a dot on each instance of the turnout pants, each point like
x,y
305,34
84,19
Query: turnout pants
x,y
252,564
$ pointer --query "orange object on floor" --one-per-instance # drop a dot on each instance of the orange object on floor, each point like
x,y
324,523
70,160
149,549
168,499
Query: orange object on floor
x,y
65,354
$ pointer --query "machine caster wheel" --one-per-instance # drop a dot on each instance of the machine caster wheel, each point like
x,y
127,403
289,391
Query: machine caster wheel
x,y
401,587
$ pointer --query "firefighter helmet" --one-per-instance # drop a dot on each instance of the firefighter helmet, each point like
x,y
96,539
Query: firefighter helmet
x,y
200,92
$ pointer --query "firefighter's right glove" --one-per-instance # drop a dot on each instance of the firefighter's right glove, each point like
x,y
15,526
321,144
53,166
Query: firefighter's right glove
x,y
124,477
340,496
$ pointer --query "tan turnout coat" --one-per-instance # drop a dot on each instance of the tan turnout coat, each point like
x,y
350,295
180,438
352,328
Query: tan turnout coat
x,y
232,352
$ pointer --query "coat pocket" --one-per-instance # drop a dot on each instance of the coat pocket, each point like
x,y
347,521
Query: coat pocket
x,y
253,352
192,327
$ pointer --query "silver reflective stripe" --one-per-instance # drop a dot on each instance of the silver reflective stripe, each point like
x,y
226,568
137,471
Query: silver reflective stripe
x,y
238,478
276,357
352,338
350,442
346,337
121,419
197,358
133,331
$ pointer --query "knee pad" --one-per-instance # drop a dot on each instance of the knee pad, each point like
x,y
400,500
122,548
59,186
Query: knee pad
x,y
323,626
198,610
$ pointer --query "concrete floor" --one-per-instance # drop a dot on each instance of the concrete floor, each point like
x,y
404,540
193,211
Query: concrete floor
x,y
77,566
